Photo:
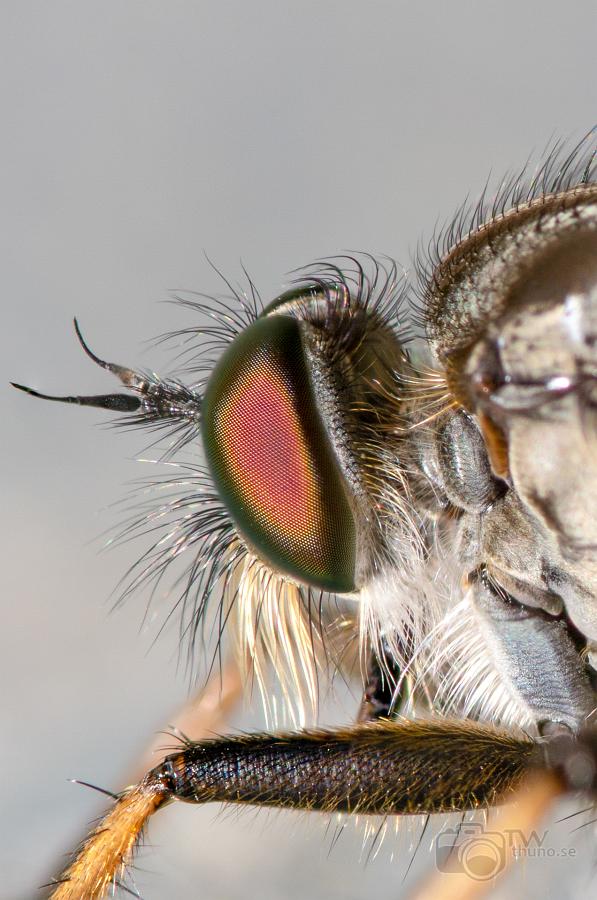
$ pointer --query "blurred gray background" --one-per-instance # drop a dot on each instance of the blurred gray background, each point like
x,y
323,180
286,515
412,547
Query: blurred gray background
x,y
135,137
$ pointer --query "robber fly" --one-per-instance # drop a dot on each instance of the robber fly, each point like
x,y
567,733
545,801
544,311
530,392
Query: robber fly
x,y
429,480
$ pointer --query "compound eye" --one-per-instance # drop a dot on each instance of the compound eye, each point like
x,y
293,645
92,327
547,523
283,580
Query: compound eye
x,y
272,459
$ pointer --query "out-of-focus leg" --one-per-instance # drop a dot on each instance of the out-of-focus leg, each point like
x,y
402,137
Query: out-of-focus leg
x,y
204,716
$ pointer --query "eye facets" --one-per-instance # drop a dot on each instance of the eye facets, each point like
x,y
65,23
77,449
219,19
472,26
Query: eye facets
x,y
272,460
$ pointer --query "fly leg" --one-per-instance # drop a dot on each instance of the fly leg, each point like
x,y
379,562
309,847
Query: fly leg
x,y
383,768
205,714
384,692
537,658
390,767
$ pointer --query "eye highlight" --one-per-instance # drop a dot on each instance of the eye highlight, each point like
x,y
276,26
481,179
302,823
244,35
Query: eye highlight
x,y
272,459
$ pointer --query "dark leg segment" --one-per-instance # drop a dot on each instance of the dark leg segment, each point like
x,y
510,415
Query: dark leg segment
x,y
383,768
379,700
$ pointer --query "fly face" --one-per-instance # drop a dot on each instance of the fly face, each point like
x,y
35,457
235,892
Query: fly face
x,y
304,493
336,464
301,424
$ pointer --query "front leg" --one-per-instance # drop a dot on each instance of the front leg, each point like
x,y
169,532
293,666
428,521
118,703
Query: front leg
x,y
384,693
383,768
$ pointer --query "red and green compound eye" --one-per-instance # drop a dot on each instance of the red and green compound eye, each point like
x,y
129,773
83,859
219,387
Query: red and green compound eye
x,y
272,459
